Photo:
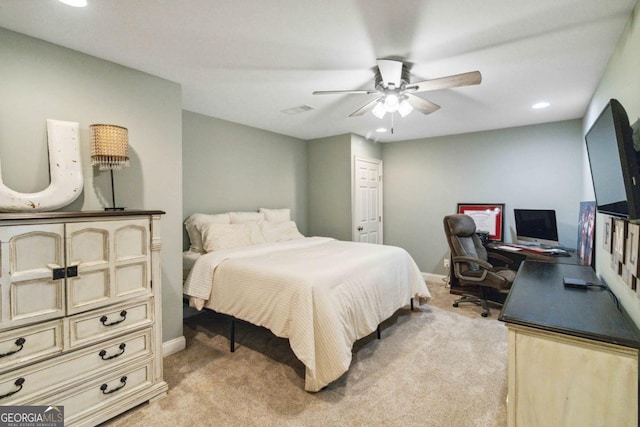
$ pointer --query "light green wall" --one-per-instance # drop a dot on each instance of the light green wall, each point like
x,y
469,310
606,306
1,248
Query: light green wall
x,y
536,167
232,167
362,147
619,81
39,80
329,187
331,162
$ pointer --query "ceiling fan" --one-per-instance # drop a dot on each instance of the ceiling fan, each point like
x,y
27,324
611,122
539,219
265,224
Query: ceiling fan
x,y
397,93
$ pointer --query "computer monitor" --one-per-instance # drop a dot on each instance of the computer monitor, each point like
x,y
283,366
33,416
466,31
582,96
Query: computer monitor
x,y
537,226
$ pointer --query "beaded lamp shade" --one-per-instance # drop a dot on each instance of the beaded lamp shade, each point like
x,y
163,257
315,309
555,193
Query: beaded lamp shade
x,y
109,146
109,151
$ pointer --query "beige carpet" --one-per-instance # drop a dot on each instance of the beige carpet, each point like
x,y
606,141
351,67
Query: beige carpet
x,y
437,366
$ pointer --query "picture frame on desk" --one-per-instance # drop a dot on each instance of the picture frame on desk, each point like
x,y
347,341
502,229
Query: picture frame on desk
x,y
586,228
489,217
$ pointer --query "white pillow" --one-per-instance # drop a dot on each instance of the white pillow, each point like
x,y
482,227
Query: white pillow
x,y
195,225
276,215
279,232
242,217
229,236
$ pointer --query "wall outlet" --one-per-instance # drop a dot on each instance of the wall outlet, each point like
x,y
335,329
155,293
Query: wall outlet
x,y
446,263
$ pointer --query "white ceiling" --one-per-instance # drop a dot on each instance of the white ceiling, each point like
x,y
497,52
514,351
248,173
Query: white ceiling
x,y
246,60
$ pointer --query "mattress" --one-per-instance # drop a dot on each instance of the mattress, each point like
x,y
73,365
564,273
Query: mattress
x,y
189,259
320,293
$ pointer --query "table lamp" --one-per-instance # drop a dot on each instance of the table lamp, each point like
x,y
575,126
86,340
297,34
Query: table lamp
x,y
109,151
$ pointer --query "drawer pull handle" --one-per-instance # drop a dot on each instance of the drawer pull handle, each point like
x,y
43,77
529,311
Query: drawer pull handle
x,y
104,387
20,343
103,353
72,271
62,272
104,319
18,384
58,273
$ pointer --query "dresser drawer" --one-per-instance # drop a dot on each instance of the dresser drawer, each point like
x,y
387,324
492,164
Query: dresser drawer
x,y
102,324
112,260
29,344
109,390
52,375
28,291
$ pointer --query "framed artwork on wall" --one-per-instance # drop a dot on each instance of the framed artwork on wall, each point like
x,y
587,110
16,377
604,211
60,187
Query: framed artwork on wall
x,y
607,234
613,263
489,217
631,256
627,277
619,237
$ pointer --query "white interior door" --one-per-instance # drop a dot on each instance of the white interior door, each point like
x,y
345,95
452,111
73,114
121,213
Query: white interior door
x,y
367,218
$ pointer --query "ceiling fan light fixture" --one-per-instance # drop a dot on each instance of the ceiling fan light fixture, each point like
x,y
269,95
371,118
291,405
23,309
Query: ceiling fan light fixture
x,y
391,103
379,110
392,82
404,108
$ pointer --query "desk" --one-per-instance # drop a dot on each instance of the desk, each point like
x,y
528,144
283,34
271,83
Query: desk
x,y
573,355
517,258
531,255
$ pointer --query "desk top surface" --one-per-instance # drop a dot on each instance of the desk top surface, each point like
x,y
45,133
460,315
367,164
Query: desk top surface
x,y
532,254
539,299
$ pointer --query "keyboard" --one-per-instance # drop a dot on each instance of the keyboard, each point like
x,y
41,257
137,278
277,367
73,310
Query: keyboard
x,y
537,249
508,248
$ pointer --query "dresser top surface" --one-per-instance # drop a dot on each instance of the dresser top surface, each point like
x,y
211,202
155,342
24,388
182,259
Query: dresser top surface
x,y
539,299
38,216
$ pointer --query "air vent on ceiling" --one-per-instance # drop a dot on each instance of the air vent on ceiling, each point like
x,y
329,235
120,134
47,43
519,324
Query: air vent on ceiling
x,y
298,110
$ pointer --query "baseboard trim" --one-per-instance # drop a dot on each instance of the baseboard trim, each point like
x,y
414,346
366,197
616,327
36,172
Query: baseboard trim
x,y
434,278
173,346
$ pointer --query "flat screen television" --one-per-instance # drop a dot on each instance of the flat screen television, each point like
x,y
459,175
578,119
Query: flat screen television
x,y
536,226
614,163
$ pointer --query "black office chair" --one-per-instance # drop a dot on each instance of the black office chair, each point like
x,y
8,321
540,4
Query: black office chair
x,y
470,262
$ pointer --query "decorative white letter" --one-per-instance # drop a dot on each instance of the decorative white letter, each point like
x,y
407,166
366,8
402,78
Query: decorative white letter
x,y
65,171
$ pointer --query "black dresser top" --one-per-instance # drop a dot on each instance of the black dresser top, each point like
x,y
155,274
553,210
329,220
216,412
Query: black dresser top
x,y
539,299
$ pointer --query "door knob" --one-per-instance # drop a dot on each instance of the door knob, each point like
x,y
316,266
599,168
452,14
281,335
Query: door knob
x,y
360,228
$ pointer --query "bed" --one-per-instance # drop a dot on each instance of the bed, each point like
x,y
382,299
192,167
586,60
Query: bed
x,y
320,293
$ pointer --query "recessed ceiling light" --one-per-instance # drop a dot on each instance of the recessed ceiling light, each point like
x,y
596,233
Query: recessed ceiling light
x,y
75,3
381,130
540,105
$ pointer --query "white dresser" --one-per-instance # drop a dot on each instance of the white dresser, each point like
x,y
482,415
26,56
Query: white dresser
x,y
80,317
573,353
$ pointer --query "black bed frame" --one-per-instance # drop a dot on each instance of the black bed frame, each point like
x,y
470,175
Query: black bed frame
x,y
232,330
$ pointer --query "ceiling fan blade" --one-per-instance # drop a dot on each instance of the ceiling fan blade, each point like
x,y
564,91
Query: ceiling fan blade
x,y
365,108
344,92
390,72
464,79
422,105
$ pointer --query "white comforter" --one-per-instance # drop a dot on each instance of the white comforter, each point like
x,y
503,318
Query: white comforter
x,y
320,293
